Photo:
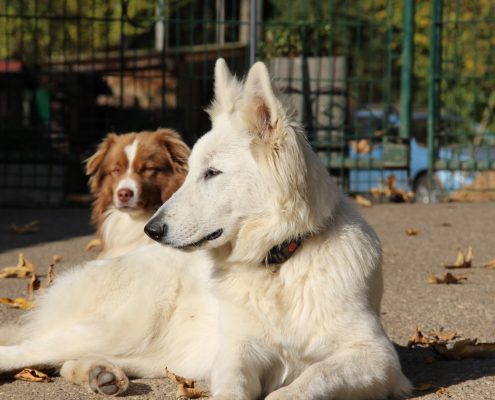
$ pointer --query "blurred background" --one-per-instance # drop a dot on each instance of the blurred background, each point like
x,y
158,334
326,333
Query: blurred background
x,y
398,97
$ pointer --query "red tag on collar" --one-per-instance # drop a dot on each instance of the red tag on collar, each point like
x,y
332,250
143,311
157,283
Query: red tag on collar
x,y
292,247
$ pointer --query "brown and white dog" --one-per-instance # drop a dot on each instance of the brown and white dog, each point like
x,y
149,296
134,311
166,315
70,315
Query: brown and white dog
x,y
131,175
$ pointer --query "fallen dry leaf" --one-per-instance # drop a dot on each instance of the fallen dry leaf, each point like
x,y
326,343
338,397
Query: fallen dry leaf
x,y
20,303
490,264
32,375
363,201
420,338
50,275
444,335
411,232
93,243
444,344
441,391
464,348
30,227
57,258
23,269
462,261
33,285
447,279
185,387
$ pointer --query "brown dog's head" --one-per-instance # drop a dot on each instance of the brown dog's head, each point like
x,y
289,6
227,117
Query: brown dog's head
x,y
136,172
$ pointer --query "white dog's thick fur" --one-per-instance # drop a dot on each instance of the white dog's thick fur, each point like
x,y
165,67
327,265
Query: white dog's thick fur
x,y
306,329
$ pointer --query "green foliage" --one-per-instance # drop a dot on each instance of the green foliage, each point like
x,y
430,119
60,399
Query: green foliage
x,y
41,30
468,56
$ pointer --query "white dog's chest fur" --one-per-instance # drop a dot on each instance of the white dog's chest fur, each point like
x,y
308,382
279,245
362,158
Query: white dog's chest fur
x,y
296,315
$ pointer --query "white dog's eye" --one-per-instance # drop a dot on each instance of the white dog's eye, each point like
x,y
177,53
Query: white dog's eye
x,y
210,173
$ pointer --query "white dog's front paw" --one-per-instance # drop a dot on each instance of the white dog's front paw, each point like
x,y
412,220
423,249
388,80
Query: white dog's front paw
x,y
285,393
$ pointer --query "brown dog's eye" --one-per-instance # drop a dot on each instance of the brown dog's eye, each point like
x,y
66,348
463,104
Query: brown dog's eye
x,y
152,169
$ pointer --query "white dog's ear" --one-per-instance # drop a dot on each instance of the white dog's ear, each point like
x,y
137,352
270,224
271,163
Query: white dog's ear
x,y
261,108
227,90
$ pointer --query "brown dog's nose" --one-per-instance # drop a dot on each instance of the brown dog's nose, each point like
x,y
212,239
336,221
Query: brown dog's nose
x,y
125,195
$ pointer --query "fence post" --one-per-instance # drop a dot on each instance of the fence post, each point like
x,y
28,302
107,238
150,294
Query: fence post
x,y
407,70
434,72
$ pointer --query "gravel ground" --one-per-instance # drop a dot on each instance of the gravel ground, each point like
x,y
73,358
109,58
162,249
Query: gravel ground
x,y
409,300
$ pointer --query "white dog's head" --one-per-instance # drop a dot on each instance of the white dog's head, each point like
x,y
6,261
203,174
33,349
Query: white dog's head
x,y
253,180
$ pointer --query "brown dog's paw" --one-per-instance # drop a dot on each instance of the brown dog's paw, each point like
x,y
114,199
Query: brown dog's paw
x,y
107,381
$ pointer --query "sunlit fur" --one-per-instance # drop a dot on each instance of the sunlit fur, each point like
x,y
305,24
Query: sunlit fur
x,y
311,329
306,329
157,168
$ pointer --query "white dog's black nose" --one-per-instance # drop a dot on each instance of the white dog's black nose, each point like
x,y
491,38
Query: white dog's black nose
x,y
155,230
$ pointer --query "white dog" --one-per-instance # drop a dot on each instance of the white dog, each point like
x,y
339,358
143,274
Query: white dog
x,y
289,309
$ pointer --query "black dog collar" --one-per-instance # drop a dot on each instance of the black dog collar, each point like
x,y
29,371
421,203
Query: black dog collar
x,y
282,252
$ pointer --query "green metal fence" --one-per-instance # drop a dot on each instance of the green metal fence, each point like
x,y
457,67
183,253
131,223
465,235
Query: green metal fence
x,y
461,124
360,74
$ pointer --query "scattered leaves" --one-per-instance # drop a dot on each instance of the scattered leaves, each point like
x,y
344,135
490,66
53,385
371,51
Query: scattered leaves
x,y
185,387
447,279
32,375
411,232
23,269
441,391
93,243
20,303
56,258
464,348
462,261
30,227
490,264
445,344
363,201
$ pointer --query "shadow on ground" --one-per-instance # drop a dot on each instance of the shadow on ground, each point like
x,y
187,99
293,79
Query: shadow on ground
x,y
136,388
55,224
420,365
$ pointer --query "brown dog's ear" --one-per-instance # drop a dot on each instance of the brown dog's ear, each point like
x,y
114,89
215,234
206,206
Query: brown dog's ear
x,y
178,150
179,154
94,163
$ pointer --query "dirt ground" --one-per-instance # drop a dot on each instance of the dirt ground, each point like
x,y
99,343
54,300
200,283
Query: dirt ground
x,y
409,300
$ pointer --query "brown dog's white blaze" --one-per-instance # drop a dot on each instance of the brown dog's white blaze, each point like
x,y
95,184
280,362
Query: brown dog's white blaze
x,y
136,171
